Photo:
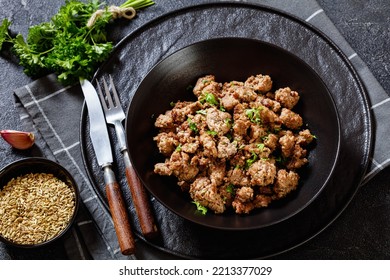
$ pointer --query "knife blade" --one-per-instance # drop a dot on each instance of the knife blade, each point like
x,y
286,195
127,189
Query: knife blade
x,y
102,148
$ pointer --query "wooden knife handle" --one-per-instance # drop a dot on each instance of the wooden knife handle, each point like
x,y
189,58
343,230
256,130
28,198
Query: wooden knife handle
x,y
140,200
119,213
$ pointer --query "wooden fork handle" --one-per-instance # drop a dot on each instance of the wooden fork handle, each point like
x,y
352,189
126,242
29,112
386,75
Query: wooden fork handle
x,y
140,200
119,213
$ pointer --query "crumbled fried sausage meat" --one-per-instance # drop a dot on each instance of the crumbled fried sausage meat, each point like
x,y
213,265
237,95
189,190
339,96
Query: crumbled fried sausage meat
x,y
238,146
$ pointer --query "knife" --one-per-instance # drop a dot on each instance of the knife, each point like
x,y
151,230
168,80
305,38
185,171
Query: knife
x,y
102,147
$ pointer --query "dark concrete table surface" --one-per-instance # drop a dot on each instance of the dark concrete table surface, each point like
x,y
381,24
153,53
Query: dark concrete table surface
x,y
361,232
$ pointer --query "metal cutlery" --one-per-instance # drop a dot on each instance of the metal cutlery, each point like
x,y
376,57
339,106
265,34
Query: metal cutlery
x,y
115,115
102,147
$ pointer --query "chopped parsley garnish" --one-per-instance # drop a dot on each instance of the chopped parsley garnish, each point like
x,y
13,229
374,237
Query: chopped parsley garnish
x,y
178,148
251,160
202,112
209,98
192,125
211,132
254,114
202,209
228,122
230,189
260,146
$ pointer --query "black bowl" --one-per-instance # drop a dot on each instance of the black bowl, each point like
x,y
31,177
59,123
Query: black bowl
x,y
40,165
232,59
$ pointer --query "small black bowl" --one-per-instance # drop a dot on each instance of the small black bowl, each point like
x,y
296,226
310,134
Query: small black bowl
x,y
232,59
40,165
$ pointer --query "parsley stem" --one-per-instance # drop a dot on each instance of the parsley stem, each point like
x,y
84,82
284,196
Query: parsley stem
x,y
137,4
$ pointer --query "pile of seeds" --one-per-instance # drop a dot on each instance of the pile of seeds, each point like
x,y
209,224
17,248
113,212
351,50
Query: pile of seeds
x,y
34,208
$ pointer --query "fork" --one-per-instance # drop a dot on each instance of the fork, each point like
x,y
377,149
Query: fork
x,y
115,115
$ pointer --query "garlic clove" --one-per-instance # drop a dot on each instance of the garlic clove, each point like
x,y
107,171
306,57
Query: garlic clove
x,y
18,139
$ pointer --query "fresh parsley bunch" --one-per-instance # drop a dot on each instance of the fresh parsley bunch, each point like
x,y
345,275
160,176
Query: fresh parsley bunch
x,y
66,45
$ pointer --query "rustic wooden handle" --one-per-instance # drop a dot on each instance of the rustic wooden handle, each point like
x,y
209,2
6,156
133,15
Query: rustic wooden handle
x,y
140,200
120,217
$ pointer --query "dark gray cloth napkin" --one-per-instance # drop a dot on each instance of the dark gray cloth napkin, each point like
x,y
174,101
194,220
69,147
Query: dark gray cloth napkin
x,y
54,112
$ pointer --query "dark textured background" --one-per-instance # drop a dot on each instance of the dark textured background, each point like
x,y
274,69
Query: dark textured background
x,y
363,229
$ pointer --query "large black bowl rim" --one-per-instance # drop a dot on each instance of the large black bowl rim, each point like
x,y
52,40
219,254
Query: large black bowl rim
x,y
369,125
208,223
41,160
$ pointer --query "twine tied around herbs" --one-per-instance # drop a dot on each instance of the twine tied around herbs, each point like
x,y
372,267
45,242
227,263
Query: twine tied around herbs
x,y
117,12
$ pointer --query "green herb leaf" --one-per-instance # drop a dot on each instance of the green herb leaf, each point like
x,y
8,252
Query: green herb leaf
x,y
202,209
66,45
4,35
209,98
202,112
192,125
251,160
254,115
260,146
178,148
211,132
231,189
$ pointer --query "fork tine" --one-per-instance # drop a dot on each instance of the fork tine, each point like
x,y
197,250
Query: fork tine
x,y
108,94
116,97
101,96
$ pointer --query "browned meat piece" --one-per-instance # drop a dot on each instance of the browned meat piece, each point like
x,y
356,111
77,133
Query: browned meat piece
x,y
259,149
241,122
240,128
262,200
228,101
182,109
227,192
268,116
162,169
244,194
210,149
237,177
262,173
260,83
242,208
285,183
217,171
230,88
180,164
165,120
239,112
238,160
225,148
290,119
206,193
287,143
287,97
246,94
271,141
214,88
166,142
190,148
304,137
271,104
298,158
256,133
242,202
202,83
218,121
184,133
